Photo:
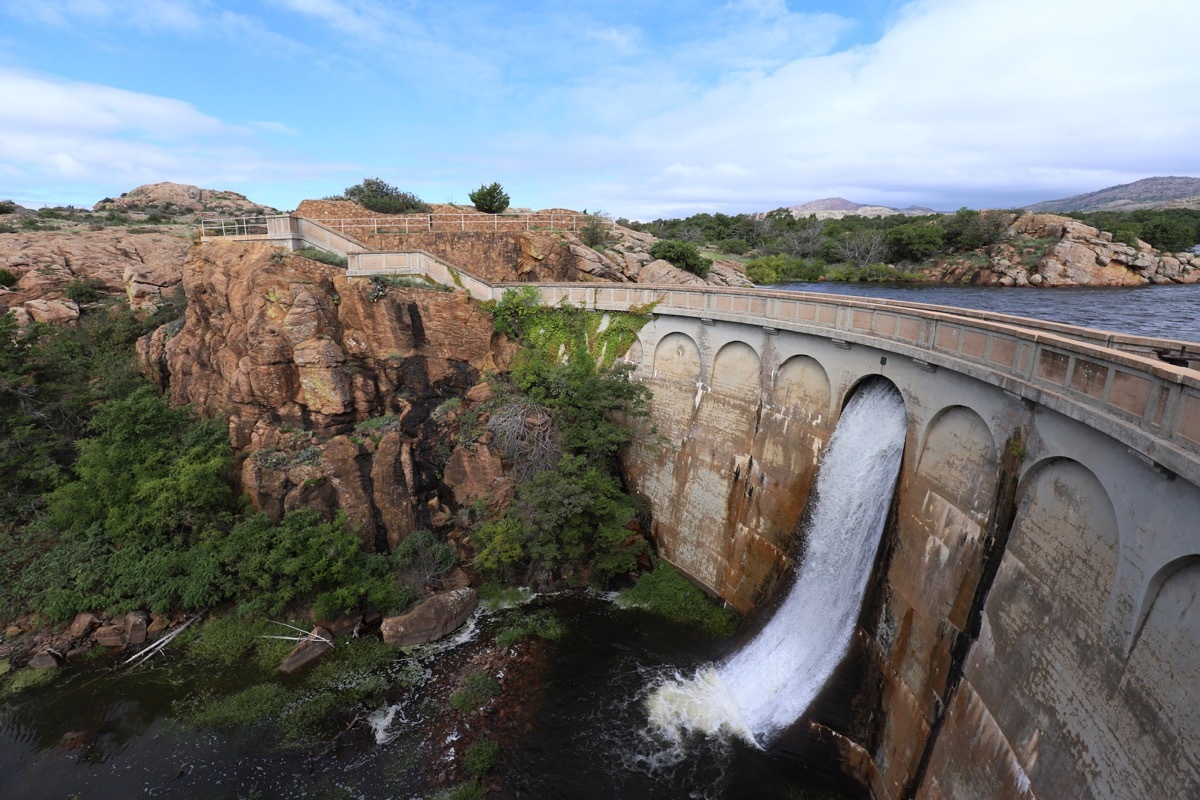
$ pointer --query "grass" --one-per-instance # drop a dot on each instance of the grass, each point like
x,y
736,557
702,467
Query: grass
x,y
497,596
542,624
478,688
481,757
323,256
666,593
357,673
471,790
24,679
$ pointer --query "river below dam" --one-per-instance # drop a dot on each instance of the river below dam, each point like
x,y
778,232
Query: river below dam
x,y
106,733
1164,312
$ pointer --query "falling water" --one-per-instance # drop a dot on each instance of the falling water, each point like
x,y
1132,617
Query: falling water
x,y
765,686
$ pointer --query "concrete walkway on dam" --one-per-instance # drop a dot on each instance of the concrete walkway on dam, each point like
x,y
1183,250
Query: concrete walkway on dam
x,y
1032,628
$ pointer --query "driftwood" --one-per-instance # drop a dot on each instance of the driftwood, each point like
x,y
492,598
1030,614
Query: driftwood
x,y
145,653
307,636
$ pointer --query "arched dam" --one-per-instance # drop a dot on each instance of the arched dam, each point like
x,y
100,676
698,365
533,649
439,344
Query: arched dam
x,y
1030,628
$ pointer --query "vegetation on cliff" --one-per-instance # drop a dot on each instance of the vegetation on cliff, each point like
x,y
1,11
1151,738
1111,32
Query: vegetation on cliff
x,y
112,500
571,512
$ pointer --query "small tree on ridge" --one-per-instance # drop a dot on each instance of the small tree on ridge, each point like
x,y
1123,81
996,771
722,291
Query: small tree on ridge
x,y
490,199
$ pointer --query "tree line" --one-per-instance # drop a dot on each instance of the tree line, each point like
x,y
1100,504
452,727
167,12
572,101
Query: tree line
x,y
782,247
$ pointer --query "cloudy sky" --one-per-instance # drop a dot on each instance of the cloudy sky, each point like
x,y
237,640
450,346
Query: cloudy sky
x,y
642,109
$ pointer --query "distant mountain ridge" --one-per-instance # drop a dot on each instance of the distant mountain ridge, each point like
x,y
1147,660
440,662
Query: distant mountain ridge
x,y
1158,192
838,207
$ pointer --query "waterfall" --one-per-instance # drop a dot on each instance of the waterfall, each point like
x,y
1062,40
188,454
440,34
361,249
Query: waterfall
x,y
766,685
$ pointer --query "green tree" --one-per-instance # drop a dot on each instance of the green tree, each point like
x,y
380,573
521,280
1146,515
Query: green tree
x,y
375,194
1171,234
490,199
915,241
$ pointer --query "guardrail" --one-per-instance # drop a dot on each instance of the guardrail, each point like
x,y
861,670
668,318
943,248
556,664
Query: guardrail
x,y
240,226
444,223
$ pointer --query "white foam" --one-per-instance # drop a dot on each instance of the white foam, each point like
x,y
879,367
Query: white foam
x,y
769,683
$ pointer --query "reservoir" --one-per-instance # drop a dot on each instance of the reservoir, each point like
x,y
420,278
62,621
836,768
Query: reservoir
x,y
1165,312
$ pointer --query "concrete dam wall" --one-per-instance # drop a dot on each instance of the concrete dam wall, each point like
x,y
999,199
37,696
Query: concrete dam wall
x,y
1032,627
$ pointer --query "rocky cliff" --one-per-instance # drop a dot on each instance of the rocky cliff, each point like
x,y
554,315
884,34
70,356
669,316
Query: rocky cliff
x,y
337,399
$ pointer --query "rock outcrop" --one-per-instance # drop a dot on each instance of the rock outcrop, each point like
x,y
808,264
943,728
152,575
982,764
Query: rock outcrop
x,y
179,196
144,266
1051,251
330,395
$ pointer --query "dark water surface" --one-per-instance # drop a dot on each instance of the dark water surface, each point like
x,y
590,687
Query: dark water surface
x,y
108,734
1164,312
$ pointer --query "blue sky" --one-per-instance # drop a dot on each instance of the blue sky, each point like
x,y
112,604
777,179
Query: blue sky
x,y
641,109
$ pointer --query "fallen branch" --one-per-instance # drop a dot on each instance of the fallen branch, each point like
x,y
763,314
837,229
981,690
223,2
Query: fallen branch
x,y
158,646
308,636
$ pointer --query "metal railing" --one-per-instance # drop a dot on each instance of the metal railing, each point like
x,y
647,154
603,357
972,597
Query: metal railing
x,y
480,223
240,226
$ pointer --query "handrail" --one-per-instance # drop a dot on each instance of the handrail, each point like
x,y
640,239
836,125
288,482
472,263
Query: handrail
x,y
463,221
234,226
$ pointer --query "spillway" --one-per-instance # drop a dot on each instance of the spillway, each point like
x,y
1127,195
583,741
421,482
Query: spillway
x,y
768,684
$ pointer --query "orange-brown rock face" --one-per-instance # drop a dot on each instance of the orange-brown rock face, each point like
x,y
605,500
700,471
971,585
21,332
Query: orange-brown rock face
x,y
142,265
329,394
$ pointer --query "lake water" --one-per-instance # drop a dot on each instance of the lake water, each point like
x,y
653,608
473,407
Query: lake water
x,y
1164,312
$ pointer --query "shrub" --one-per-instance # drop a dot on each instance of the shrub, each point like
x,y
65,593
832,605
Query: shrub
x,y
276,566
8,278
424,554
684,255
735,247
481,757
7,206
490,199
967,229
874,273
779,269
83,290
915,241
377,195
596,232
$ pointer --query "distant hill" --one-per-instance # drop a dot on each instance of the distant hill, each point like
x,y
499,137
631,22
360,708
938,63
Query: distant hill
x,y
1160,192
837,207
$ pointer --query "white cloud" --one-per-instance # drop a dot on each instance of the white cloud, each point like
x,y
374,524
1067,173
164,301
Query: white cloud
x,y
73,136
958,98
186,18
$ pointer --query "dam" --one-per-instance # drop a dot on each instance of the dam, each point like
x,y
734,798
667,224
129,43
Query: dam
x,y
1029,627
